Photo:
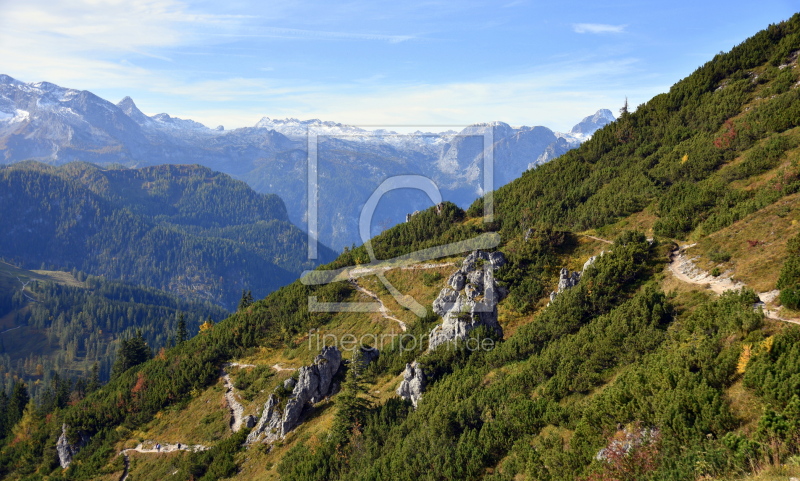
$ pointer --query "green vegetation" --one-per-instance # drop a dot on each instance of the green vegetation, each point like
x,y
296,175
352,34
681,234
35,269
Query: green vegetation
x,y
615,379
789,280
183,229
64,329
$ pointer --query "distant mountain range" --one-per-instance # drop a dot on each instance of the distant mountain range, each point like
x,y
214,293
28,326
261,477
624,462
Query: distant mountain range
x,y
42,121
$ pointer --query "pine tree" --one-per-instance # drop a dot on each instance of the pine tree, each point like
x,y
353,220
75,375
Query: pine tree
x,y
16,404
132,352
351,403
181,334
94,379
246,301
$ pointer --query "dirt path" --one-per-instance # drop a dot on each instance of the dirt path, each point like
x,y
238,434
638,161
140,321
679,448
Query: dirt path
x,y
237,410
24,285
165,448
279,368
684,269
383,309
365,271
597,238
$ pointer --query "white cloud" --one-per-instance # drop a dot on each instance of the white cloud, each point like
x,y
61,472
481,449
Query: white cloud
x,y
597,28
555,95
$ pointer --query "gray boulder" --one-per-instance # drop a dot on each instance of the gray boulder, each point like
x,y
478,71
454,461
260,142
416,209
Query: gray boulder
x,y
368,355
413,384
568,280
290,383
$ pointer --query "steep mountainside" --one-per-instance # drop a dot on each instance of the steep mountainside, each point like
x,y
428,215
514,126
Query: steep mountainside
x,y
45,122
637,320
185,229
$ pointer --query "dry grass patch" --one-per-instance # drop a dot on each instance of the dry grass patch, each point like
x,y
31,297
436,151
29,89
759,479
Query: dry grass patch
x,y
756,244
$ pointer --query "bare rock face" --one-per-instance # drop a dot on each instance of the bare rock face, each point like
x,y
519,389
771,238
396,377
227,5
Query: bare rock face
x,y
445,301
471,300
413,384
67,451
268,428
314,383
456,280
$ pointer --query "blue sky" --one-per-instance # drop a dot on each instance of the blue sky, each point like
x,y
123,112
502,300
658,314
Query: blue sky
x,y
373,63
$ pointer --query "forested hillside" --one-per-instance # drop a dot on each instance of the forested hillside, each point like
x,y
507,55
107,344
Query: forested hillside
x,y
185,229
54,325
666,351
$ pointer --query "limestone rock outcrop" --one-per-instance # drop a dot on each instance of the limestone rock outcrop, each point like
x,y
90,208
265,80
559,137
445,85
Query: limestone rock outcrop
x,y
67,451
315,383
268,428
567,279
470,300
413,384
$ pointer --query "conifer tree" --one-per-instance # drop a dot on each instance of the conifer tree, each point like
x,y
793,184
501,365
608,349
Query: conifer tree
x,y
246,301
16,404
181,334
94,379
132,352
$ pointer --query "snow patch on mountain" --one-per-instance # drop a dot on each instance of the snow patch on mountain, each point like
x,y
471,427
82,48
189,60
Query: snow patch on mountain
x,y
14,117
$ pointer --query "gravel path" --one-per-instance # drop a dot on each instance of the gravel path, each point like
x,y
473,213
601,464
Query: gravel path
x,y
237,410
683,268
165,448
383,309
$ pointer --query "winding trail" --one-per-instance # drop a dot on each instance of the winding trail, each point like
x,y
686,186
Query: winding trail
x,y
597,238
683,268
165,448
383,309
277,367
237,410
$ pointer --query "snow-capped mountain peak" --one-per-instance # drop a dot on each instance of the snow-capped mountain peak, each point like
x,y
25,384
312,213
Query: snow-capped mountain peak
x,y
131,110
589,125
166,120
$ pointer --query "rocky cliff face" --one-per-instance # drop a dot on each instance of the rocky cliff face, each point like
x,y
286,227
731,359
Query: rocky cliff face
x,y
313,385
67,451
470,300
